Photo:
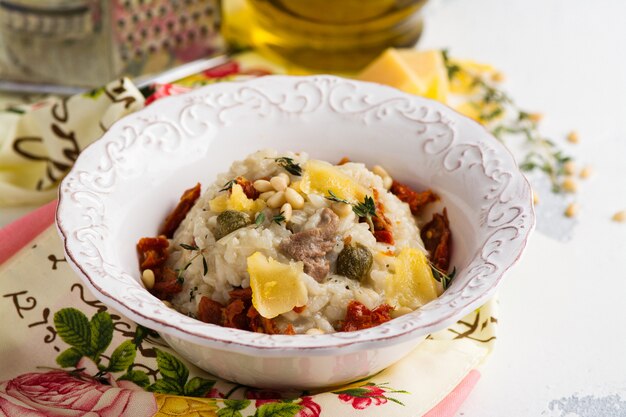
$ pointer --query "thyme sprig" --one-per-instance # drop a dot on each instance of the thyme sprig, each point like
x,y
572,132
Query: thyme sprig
x,y
366,209
194,248
279,218
290,166
228,185
440,276
505,119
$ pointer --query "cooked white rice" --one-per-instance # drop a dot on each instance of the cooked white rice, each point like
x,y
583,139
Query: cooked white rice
x,y
227,257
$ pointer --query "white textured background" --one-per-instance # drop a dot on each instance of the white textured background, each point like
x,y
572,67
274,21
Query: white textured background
x,y
561,347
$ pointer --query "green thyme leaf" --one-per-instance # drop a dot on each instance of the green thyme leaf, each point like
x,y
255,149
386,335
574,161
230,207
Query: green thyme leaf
x,y
279,218
205,267
440,276
365,209
228,185
189,247
333,197
289,165
260,218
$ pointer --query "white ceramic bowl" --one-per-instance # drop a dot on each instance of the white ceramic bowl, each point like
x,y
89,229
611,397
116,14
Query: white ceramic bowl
x,y
123,185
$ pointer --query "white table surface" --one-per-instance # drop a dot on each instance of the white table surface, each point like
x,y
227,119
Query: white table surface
x,y
561,349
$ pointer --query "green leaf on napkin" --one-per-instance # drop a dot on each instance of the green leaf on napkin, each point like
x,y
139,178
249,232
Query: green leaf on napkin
x,y
101,327
171,367
138,377
73,327
198,387
278,410
122,357
165,386
69,358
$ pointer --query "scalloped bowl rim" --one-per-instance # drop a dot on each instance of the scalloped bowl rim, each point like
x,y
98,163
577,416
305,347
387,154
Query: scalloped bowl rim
x,y
395,331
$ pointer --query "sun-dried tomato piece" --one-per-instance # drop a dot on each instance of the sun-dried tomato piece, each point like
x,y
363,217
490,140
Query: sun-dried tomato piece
x,y
173,220
210,311
382,225
299,310
241,293
344,161
152,252
416,201
235,315
166,284
384,236
437,239
359,317
248,188
289,330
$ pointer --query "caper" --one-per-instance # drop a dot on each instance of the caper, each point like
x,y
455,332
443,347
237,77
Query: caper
x,y
229,221
355,262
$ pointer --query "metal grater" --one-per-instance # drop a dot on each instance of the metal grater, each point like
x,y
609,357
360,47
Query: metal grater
x,y
90,42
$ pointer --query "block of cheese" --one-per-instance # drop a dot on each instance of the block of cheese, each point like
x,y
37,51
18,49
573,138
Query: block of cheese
x,y
430,68
417,72
390,69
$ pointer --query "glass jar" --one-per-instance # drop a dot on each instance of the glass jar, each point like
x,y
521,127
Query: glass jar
x,y
326,35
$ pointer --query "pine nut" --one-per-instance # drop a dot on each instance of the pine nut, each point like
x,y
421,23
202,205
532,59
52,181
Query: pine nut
x,y
314,331
276,200
147,277
167,304
620,216
294,198
387,182
569,185
317,200
285,176
572,210
341,209
286,211
266,195
279,183
572,137
263,186
586,172
569,167
380,171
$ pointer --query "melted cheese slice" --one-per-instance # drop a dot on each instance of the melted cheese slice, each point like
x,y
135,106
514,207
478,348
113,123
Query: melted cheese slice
x,y
276,287
412,284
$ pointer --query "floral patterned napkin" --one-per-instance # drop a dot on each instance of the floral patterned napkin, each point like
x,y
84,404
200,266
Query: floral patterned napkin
x,y
65,353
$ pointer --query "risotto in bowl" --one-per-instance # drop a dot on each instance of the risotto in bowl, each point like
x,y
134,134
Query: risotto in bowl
x,y
228,220
284,244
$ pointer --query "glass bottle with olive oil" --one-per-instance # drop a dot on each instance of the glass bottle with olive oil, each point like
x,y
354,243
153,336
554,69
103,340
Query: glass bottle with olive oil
x,y
323,35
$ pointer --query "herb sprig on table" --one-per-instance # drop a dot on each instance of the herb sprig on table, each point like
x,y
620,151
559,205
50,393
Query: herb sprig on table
x,y
505,119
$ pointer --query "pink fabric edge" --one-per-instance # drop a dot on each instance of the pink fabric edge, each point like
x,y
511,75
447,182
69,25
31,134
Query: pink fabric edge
x,y
18,234
452,402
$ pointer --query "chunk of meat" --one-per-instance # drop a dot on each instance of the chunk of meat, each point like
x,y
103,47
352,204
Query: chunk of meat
x,y
311,246
248,188
152,252
359,317
173,220
210,311
437,239
416,201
